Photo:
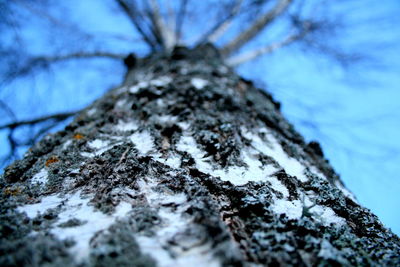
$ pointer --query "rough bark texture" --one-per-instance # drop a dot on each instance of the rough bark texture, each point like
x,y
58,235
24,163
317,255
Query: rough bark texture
x,y
185,163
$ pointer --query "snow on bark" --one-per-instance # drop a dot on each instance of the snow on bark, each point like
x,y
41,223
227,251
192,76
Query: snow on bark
x,y
345,191
174,224
91,112
77,220
199,83
161,81
273,149
253,171
185,163
295,209
40,178
98,146
143,142
126,126
67,144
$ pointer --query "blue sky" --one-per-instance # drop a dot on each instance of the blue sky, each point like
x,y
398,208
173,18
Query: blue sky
x,y
354,113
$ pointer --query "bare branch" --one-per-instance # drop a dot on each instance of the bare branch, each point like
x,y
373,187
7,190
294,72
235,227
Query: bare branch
x,y
53,20
80,55
250,55
120,37
55,117
171,18
14,143
153,12
44,61
160,28
136,20
8,110
13,147
255,28
222,26
180,18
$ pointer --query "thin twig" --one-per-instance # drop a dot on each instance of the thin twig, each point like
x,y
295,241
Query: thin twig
x,y
123,156
161,30
8,110
180,19
53,20
306,27
171,18
44,60
57,117
253,54
136,20
80,55
222,26
256,27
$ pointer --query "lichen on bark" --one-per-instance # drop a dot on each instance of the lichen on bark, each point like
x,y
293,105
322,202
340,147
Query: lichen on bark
x,y
184,163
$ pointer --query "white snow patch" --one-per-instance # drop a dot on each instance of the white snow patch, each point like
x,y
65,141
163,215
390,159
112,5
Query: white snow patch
x,y
100,146
278,186
161,81
94,221
160,102
273,149
223,69
327,215
173,223
174,161
254,172
121,90
74,206
91,111
328,251
88,155
143,141
75,171
66,144
199,83
166,118
184,125
120,103
345,191
135,88
237,175
317,172
188,144
156,198
47,202
184,71
113,138
294,210
143,76
41,177
70,181
126,126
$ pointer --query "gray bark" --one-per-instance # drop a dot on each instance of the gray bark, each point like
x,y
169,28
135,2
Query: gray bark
x,y
184,164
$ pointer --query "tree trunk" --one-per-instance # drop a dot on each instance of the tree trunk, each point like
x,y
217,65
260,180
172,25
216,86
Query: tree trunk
x,y
184,164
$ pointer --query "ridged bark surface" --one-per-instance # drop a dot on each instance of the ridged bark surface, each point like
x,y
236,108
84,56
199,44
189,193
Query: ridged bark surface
x,y
184,164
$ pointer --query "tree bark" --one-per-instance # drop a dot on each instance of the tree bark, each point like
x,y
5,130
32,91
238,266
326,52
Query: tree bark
x,y
184,163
